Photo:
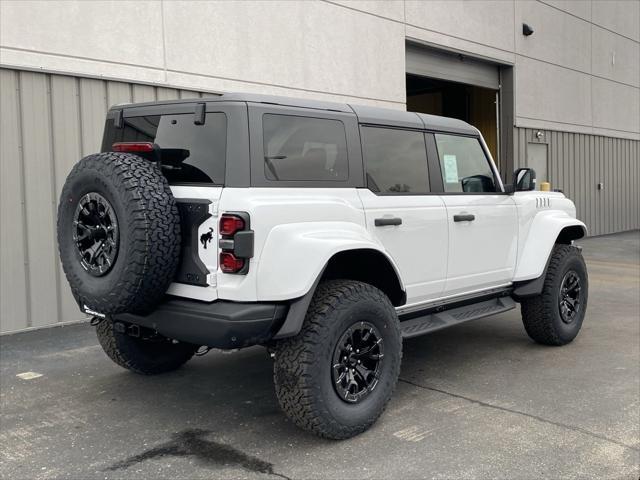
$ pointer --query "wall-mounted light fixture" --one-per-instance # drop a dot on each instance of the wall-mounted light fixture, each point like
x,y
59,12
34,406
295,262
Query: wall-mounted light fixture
x,y
526,30
539,134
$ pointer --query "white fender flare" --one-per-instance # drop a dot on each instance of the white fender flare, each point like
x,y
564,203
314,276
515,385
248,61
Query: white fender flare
x,y
543,233
295,254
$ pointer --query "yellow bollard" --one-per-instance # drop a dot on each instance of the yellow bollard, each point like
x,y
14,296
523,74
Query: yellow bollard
x,y
545,187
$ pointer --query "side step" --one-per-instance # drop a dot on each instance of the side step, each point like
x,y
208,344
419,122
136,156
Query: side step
x,y
438,320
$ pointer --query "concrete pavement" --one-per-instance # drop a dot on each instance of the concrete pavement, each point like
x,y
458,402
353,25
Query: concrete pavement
x,y
476,401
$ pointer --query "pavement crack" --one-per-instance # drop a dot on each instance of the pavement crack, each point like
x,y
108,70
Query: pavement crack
x,y
191,443
518,412
281,475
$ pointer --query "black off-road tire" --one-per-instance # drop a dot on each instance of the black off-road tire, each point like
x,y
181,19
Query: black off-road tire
x,y
303,364
541,314
148,354
148,222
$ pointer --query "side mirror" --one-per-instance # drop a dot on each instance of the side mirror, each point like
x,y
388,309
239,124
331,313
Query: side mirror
x,y
524,180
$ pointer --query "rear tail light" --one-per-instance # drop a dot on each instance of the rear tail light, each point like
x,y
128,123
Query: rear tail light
x,y
230,224
132,147
230,264
236,242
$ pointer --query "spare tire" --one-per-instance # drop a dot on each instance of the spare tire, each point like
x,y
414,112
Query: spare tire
x,y
118,233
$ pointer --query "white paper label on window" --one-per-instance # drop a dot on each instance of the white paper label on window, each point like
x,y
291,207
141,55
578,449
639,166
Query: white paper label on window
x,y
450,169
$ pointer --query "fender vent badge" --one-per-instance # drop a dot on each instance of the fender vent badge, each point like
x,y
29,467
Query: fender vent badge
x,y
543,202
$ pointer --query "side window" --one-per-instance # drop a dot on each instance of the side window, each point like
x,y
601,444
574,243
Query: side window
x,y
465,167
395,160
304,148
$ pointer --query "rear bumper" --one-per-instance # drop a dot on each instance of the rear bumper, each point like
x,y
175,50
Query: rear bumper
x,y
220,324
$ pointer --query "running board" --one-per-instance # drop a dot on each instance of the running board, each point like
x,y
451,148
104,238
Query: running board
x,y
438,320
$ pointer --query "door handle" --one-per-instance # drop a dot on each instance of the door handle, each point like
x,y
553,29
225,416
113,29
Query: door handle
x,y
382,222
464,218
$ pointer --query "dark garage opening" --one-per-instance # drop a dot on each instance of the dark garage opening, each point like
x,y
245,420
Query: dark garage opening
x,y
473,104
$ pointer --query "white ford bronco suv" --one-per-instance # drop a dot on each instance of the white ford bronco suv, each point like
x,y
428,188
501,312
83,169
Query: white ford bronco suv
x,y
325,232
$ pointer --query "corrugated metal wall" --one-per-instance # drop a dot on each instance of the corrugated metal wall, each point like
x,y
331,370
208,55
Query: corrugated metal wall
x,y
578,162
48,122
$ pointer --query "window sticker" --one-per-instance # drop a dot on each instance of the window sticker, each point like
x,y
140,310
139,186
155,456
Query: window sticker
x,y
450,169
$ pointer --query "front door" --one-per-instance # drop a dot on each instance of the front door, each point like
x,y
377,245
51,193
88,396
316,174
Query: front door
x,y
401,213
482,220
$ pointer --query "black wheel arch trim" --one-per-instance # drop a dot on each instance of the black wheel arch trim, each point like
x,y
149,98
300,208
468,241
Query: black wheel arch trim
x,y
297,311
298,307
532,288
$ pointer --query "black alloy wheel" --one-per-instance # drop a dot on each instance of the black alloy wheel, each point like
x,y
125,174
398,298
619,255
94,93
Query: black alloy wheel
x,y
357,361
95,233
569,299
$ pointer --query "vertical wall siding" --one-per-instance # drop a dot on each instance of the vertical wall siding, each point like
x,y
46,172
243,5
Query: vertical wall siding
x,y
578,162
48,122
14,313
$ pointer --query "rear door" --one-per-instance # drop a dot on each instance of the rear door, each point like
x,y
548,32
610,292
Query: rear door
x,y
401,213
482,219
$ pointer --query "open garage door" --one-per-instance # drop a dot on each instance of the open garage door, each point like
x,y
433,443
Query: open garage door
x,y
453,85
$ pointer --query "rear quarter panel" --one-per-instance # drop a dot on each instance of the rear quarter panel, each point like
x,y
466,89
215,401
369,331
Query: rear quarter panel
x,y
296,230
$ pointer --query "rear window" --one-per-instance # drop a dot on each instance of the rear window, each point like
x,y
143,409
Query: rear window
x,y
304,148
205,145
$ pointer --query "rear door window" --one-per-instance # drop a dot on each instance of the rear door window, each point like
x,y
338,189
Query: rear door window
x,y
202,146
304,148
395,160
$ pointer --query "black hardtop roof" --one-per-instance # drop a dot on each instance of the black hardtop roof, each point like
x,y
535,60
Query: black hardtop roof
x,y
365,114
